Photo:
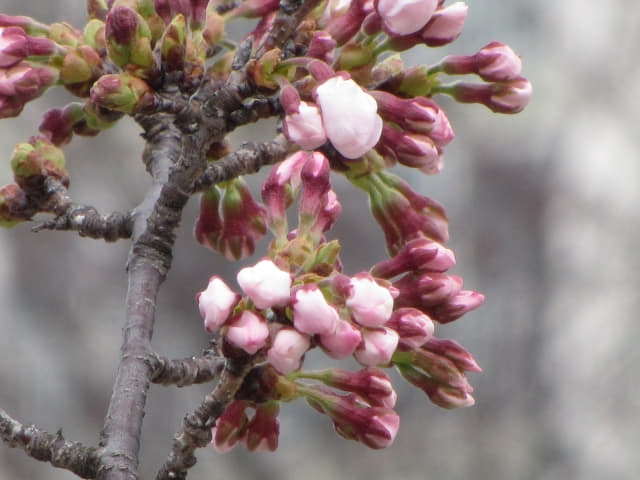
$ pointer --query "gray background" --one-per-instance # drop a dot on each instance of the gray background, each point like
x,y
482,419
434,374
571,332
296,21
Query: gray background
x,y
544,212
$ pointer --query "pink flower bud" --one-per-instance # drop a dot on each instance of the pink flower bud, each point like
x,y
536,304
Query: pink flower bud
x,y
376,427
413,326
454,352
343,26
216,303
316,181
440,369
377,346
287,350
343,341
13,46
322,46
425,290
508,97
302,123
248,331
456,306
410,149
403,17
371,384
402,213
416,115
265,284
370,303
263,429
420,254
231,427
349,115
444,396
312,314
305,127
495,62
445,25
280,188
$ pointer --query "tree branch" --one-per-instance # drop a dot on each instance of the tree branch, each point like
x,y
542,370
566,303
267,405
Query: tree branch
x,y
196,427
88,222
247,159
45,447
186,371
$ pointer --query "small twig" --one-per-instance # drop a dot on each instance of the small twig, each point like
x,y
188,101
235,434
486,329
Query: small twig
x,y
89,223
196,426
186,371
247,159
46,447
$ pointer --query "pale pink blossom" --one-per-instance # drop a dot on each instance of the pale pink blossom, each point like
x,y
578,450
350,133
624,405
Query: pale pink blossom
x,y
510,97
403,17
248,331
343,341
305,127
265,284
349,115
216,303
414,327
445,25
312,314
498,62
287,350
378,345
370,303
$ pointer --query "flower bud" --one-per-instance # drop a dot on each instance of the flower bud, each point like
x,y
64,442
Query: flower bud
x,y
16,45
445,25
303,122
442,395
343,26
425,290
263,429
312,314
440,369
342,342
370,303
248,331
230,427
216,303
413,327
81,67
243,221
22,83
12,201
454,352
287,350
376,427
378,346
371,384
403,17
58,123
495,62
32,162
122,92
402,213
97,9
420,254
322,46
410,149
456,306
174,44
129,40
265,284
349,115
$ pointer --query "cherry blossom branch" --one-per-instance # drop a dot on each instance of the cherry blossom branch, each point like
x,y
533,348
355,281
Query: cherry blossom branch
x,y
46,447
196,426
88,222
176,160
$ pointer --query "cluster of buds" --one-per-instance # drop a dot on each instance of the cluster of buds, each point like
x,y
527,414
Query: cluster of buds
x,y
299,299
349,104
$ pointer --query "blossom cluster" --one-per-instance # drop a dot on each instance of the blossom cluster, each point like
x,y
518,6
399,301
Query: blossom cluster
x,y
348,105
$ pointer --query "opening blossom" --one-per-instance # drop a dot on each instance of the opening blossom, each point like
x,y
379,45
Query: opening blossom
x,y
402,17
349,115
265,284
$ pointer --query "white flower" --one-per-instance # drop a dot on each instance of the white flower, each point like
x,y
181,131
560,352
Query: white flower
x,y
265,284
215,303
404,17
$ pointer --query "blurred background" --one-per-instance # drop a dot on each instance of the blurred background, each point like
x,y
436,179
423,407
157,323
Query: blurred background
x,y
545,214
